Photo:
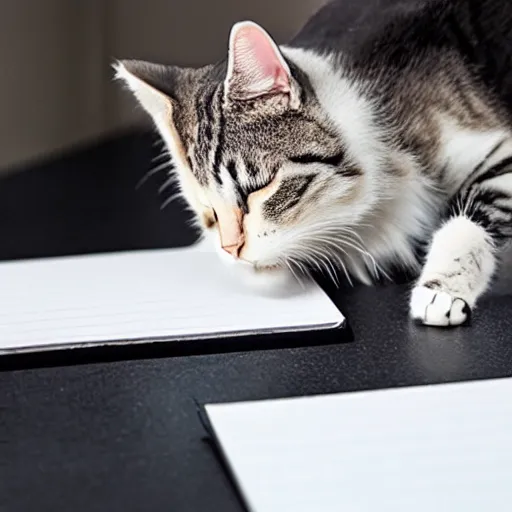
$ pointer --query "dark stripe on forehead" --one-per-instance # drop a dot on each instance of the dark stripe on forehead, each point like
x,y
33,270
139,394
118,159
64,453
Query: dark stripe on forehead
x,y
204,106
252,170
204,109
231,167
207,105
217,177
287,196
240,192
210,131
220,136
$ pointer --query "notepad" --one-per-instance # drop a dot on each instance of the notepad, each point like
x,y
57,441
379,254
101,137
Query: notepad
x,y
157,295
442,448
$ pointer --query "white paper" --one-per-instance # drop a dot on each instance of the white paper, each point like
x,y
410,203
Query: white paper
x,y
442,448
144,295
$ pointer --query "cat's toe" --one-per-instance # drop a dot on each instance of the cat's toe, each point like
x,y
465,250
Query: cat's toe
x,y
438,308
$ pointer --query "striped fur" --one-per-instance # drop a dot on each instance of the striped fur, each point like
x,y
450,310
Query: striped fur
x,y
380,132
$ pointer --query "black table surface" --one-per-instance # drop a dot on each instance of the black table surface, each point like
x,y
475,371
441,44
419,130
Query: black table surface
x,y
124,434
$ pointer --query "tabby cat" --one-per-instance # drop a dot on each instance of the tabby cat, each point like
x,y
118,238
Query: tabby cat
x,y
382,126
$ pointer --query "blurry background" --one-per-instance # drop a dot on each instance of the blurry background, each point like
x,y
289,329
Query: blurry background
x,y
56,88
73,143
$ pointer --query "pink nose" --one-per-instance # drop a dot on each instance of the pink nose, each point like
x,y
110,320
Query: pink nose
x,y
234,249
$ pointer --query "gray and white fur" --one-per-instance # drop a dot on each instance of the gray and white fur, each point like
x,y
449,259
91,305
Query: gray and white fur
x,y
383,127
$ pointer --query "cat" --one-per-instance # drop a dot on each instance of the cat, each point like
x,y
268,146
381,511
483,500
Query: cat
x,y
382,127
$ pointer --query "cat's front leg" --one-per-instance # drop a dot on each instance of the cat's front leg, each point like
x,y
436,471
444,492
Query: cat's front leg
x,y
463,254
458,269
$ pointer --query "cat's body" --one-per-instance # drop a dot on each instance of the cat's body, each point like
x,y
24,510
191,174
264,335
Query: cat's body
x,y
382,126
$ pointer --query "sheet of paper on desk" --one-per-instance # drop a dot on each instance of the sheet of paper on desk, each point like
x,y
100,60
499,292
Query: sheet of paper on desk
x,y
147,295
443,448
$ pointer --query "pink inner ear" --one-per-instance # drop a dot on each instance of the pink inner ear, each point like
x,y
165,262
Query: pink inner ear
x,y
257,65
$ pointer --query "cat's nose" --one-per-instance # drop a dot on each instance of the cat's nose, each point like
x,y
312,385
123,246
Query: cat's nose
x,y
234,249
230,229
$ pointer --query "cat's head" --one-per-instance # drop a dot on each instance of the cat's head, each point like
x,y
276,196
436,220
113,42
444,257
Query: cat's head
x,y
259,160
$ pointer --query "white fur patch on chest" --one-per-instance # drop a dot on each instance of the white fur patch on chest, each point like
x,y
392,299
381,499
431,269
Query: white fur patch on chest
x,y
462,149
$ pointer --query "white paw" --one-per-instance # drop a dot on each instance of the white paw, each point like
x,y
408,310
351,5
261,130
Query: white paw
x,y
438,308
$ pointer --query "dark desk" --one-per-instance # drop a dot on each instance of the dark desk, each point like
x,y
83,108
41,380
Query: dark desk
x,y
125,435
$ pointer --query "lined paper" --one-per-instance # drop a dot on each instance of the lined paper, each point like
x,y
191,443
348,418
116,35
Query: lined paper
x,y
142,295
443,448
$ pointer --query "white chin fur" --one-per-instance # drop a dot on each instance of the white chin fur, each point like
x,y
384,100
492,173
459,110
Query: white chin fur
x,y
275,281
278,282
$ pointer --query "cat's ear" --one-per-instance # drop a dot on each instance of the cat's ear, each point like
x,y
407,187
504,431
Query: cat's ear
x,y
157,88
256,67
154,86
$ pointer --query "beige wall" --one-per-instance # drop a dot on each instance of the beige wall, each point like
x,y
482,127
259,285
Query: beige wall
x,y
56,87
50,88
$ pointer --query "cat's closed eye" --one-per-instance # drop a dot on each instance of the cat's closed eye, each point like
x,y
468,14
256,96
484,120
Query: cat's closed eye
x,y
311,158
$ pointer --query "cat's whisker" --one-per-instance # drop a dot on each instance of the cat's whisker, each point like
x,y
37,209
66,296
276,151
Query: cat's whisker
x,y
365,253
326,260
291,269
331,239
163,166
353,233
309,255
168,183
308,259
154,171
302,267
334,255
341,235
163,154
170,199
